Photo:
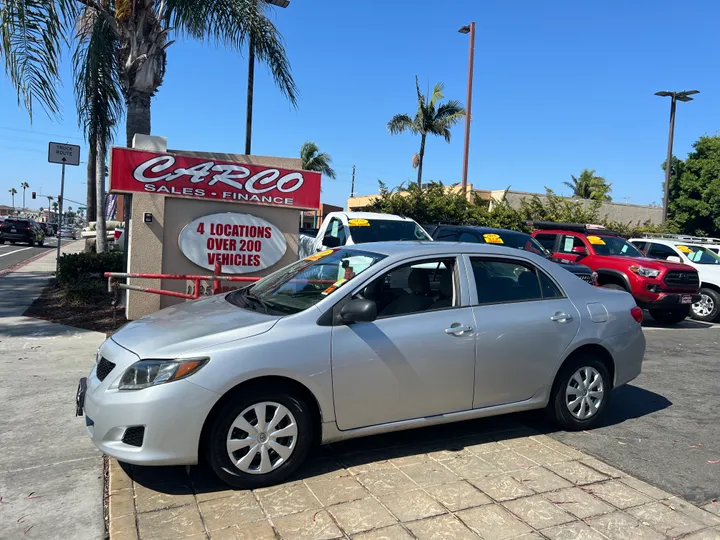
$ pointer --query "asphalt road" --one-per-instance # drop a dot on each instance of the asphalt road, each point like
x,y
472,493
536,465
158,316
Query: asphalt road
x,y
10,254
664,427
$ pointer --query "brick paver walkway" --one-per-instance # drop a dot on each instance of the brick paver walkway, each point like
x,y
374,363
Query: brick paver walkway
x,y
428,485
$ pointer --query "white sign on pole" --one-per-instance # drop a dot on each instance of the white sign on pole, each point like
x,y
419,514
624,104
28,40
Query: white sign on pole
x,y
241,243
64,154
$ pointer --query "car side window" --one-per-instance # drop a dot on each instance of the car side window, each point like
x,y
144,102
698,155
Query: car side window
x,y
568,242
469,237
503,281
447,235
417,287
548,286
660,251
547,241
337,230
642,246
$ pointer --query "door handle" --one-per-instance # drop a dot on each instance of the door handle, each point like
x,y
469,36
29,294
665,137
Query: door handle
x,y
561,317
458,329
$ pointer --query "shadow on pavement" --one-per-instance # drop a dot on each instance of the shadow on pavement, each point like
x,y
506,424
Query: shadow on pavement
x,y
649,322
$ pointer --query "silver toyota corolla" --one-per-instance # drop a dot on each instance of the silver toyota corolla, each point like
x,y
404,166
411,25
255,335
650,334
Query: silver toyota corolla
x,y
356,341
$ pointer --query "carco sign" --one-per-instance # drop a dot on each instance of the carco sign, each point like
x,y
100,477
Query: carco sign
x,y
241,243
186,176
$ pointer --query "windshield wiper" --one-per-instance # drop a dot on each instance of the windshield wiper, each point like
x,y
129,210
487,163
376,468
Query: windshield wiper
x,y
246,295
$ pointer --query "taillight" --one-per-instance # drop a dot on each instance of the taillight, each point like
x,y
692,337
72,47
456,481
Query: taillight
x,y
636,313
117,234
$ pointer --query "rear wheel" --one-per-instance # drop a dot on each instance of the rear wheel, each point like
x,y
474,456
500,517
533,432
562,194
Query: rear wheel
x,y
41,242
581,393
708,308
614,287
670,316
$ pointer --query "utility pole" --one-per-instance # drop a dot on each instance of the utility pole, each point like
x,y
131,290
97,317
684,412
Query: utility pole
x,y
352,184
60,209
468,29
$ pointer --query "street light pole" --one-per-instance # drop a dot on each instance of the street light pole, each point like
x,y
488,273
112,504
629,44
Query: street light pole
x,y
251,80
674,98
469,29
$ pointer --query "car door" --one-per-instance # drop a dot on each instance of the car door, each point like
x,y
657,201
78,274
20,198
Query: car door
x,y
417,359
332,236
524,325
571,248
661,252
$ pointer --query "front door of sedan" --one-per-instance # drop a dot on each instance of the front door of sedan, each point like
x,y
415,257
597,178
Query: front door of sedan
x,y
524,325
417,359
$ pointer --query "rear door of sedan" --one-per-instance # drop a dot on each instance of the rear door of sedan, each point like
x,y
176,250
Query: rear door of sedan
x,y
525,322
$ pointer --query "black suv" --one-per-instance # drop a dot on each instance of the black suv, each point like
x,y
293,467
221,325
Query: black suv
x,y
21,230
506,238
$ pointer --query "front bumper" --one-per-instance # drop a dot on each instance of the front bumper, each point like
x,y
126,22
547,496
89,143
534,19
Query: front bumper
x,y
668,301
171,414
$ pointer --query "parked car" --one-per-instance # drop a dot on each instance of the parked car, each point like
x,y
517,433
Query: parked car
x,y
22,230
666,289
67,232
701,258
350,228
506,238
356,341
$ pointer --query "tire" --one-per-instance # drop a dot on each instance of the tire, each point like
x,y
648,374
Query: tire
x,y
570,418
670,316
708,309
218,455
41,243
614,287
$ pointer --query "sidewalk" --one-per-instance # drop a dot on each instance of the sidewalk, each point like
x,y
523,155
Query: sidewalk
x,y
490,479
51,481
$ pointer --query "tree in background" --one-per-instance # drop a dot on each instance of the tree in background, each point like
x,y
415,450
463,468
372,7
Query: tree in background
x,y
24,186
314,160
694,198
13,192
430,118
589,186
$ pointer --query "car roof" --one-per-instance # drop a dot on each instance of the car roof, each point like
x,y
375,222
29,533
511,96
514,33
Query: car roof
x,y
412,248
477,228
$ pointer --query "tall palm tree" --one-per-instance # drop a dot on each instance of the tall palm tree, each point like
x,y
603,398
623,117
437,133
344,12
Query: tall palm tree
x,y
13,192
430,118
314,160
24,186
590,186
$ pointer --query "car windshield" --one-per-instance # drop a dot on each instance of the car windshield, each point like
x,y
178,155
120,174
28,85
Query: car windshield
x,y
303,284
364,231
515,240
699,255
613,245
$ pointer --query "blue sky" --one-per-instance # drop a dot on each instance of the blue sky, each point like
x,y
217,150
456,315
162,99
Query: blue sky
x,y
559,86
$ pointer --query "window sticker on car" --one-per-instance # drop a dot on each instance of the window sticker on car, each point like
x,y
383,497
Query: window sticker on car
x,y
319,256
334,286
358,223
596,240
493,239
684,249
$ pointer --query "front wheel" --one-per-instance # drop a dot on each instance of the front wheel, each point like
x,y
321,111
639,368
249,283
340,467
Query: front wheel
x,y
670,316
708,308
260,438
581,394
614,287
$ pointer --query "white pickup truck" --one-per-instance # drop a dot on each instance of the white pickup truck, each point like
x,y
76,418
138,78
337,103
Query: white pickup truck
x,y
348,228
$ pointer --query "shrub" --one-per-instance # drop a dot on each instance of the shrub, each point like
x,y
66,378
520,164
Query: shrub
x,y
80,275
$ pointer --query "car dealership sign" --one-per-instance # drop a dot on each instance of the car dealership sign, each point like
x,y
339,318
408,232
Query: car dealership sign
x,y
241,243
133,171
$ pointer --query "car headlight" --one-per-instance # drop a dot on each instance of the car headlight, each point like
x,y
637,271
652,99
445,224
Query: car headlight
x,y
645,272
147,373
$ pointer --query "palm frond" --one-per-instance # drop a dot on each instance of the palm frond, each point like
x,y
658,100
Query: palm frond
x,y
437,94
32,34
233,23
401,123
314,160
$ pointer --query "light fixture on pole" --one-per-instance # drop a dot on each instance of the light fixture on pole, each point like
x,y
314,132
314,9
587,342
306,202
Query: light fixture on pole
x,y
251,79
468,29
675,97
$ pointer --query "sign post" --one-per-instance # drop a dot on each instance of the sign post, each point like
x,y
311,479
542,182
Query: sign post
x,y
63,154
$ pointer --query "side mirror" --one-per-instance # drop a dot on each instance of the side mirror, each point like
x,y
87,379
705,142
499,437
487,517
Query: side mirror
x,y
359,310
579,250
331,242
675,259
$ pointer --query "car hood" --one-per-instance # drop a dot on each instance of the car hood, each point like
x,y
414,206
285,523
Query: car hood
x,y
650,263
186,327
573,267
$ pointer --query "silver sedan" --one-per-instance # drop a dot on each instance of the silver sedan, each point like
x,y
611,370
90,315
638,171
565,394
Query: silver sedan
x,y
357,341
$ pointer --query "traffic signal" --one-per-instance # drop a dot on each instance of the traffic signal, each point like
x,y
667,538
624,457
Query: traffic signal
x,y
34,195
59,198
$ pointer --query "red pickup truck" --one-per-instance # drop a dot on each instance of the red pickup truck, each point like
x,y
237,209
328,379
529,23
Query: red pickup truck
x,y
664,288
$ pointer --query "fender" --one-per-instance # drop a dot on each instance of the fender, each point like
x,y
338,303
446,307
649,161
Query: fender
x,y
617,274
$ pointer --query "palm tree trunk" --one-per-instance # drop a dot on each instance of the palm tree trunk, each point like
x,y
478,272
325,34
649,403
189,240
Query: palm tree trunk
x,y
91,196
420,159
100,234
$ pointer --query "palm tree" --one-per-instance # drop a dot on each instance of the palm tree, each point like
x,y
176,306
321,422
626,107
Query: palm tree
x,y
13,192
24,186
589,186
314,160
429,119
55,210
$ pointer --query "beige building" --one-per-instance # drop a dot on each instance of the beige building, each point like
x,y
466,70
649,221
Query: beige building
x,y
611,211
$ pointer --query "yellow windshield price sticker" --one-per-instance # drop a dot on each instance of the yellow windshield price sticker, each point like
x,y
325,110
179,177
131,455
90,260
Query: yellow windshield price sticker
x,y
685,249
596,240
319,256
493,239
358,223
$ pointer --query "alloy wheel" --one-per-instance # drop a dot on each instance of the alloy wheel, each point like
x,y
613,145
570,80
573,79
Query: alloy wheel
x,y
704,307
262,438
584,393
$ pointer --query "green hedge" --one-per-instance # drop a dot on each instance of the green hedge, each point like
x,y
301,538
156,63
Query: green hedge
x,y
80,275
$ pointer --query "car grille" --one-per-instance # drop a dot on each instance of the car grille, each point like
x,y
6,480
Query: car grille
x,y
676,278
104,368
586,277
134,435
